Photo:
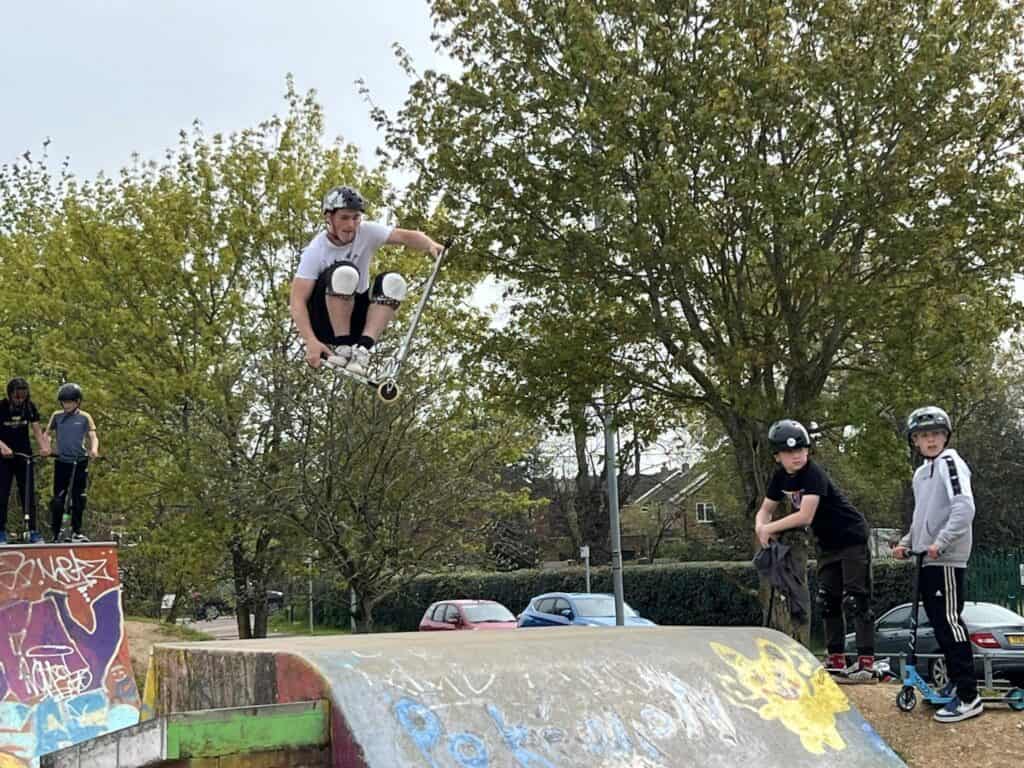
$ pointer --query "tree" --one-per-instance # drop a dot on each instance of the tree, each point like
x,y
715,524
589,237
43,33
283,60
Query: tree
x,y
390,491
758,201
165,293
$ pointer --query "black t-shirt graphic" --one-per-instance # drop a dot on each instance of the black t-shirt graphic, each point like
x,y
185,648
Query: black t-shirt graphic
x,y
14,424
837,523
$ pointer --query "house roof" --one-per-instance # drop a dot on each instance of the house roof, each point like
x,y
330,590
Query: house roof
x,y
667,486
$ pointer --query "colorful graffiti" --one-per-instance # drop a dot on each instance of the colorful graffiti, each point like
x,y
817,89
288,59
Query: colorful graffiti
x,y
65,672
788,687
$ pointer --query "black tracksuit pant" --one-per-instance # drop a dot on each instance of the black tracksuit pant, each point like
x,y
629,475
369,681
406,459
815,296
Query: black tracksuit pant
x,y
846,573
21,471
942,594
69,478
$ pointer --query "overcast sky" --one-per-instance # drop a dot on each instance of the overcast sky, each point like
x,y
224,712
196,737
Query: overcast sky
x,y
105,78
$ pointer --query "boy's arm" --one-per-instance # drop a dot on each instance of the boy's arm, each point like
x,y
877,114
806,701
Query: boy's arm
x,y
799,519
42,439
94,440
961,501
764,514
302,289
413,238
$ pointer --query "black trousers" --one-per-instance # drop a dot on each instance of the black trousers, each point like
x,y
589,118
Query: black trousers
x,y
846,573
70,480
942,594
21,470
320,320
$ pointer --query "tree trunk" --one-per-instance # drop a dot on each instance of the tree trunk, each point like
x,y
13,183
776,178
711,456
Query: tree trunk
x,y
240,577
363,617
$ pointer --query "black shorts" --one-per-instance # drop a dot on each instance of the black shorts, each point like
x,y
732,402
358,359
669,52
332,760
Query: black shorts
x,y
316,305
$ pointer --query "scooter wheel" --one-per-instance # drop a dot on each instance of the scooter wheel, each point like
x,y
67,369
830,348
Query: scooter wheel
x,y
1015,699
906,699
388,391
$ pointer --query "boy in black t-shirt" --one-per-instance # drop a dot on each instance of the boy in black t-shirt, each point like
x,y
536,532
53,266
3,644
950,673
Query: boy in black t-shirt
x,y
18,414
844,562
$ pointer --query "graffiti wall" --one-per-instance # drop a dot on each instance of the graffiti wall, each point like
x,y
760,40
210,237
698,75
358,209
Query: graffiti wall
x,y
65,672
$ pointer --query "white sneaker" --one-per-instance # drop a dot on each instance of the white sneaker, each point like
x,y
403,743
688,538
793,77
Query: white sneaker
x,y
360,361
957,710
342,354
78,538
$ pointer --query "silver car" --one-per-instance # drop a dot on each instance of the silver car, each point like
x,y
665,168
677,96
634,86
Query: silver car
x,y
997,635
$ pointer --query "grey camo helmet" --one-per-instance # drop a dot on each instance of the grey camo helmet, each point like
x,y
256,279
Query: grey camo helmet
x,y
928,418
343,197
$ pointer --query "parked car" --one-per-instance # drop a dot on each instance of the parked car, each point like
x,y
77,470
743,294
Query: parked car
x,y
582,609
448,615
219,601
995,632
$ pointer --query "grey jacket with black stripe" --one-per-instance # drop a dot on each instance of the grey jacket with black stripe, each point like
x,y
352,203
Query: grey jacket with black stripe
x,y
943,510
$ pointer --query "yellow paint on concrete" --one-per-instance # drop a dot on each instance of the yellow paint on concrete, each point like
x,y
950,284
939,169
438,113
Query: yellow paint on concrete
x,y
788,687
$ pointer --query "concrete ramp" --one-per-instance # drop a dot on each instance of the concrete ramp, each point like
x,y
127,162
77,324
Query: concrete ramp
x,y
65,672
541,698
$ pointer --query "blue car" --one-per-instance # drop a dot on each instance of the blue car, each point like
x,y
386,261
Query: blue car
x,y
581,609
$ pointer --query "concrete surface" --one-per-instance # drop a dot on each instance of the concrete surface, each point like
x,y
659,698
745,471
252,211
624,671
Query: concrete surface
x,y
539,698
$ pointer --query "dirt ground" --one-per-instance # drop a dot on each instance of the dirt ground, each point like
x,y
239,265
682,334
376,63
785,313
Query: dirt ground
x,y
992,740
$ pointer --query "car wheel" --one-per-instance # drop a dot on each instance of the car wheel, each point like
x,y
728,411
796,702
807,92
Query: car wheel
x,y
938,673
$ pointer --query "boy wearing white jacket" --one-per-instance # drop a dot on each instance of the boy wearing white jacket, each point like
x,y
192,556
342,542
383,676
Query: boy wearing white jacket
x,y
943,515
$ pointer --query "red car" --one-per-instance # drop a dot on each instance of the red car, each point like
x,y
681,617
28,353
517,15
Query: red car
x,y
466,614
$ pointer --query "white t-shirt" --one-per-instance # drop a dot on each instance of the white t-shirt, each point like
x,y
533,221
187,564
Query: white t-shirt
x,y
322,253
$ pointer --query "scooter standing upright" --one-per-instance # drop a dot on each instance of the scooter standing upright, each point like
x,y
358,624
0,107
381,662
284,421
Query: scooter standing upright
x,y
29,535
914,682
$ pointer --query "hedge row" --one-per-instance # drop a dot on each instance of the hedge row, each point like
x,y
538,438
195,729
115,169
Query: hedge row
x,y
709,594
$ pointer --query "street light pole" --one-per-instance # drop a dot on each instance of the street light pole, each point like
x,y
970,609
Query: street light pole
x,y
613,512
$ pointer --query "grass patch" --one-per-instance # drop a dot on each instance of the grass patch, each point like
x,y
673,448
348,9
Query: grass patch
x,y
279,623
173,631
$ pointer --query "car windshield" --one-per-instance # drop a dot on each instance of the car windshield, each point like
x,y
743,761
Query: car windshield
x,y
485,612
599,605
986,613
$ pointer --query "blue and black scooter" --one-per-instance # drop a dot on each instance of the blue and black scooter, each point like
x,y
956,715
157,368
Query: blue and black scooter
x,y
913,681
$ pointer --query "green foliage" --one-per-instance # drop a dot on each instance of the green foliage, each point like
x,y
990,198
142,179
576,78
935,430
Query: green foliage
x,y
163,291
693,594
753,209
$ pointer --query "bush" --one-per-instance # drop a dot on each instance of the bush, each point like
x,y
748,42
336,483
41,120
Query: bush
x,y
694,594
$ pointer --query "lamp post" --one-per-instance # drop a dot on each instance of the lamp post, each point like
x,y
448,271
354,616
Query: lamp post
x,y
613,513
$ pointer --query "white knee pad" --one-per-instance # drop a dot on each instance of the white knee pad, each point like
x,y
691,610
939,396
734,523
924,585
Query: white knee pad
x,y
344,280
390,288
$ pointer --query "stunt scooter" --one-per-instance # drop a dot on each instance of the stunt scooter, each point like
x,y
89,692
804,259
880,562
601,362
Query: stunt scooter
x,y
914,682
387,385
27,490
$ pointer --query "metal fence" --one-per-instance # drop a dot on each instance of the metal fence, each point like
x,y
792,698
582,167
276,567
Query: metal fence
x,y
997,577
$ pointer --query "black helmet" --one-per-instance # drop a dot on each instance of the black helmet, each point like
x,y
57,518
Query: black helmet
x,y
787,434
15,384
343,197
928,418
68,392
